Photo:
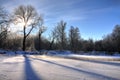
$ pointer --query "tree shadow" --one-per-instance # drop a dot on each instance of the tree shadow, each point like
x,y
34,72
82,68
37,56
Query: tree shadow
x,y
29,72
102,62
78,70
96,61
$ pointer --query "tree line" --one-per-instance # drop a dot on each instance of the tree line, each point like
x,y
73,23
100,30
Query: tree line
x,y
58,39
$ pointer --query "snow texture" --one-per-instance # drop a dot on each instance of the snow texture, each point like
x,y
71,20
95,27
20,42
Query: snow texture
x,y
68,54
36,67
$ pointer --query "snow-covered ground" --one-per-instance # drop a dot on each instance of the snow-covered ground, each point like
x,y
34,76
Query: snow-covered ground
x,y
90,57
56,66
38,67
68,54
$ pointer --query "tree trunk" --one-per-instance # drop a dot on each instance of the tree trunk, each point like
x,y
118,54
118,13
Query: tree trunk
x,y
24,45
39,41
24,40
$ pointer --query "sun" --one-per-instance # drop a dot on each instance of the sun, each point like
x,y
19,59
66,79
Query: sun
x,y
20,24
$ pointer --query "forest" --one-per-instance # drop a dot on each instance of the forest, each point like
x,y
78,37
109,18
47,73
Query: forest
x,y
29,19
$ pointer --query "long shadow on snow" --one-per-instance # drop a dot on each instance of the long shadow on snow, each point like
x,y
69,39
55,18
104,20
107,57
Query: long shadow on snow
x,y
78,70
97,61
103,62
29,72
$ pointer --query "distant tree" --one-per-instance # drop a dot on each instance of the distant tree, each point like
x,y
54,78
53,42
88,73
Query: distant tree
x,y
44,43
4,25
41,30
88,45
91,45
60,31
116,37
99,45
27,16
30,43
74,38
111,42
107,43
13,41
52,37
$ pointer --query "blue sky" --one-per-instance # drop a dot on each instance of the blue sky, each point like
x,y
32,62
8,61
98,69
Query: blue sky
x,y
95,18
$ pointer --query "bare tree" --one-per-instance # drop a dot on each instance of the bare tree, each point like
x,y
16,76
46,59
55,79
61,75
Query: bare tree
x,y
116,37
14,41
74,38
4,24
41,30
60,31
52,37
27,16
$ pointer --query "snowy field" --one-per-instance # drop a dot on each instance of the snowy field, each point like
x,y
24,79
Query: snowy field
x,y
90,57
68,54
38,67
